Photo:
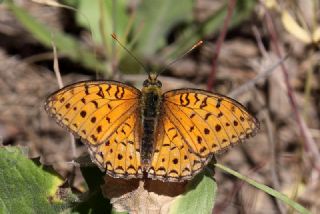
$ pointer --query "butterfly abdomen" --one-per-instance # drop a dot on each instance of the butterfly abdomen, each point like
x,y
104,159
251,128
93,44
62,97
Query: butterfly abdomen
x,y
151,100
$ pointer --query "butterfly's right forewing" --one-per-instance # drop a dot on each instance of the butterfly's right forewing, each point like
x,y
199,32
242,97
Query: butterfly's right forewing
x,y
106,115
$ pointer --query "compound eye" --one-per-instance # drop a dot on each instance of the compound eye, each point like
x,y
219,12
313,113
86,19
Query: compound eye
x,y
159,84
146,83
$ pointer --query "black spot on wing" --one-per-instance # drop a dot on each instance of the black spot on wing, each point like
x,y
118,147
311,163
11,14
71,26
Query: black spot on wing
x,y
173,172
170,129
127,124
197,98
119,92
95,103
203,149
220,114
219,100
186,169
120,168
108,89
94,138
109,106
83,113
207,116
131,167
100,93
173,148
204,103
86,89
187,99
206,131
175,161
199,139
93,119
99,129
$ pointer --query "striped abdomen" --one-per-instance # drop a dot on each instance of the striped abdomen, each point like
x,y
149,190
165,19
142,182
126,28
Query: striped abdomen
x,y
150,111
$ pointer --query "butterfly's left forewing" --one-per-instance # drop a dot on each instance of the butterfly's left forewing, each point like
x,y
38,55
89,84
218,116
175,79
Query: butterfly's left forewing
x,y
195,124
105,114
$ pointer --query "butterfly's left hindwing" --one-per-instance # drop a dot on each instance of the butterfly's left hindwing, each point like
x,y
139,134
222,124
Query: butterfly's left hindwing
x,y
173,159
105,114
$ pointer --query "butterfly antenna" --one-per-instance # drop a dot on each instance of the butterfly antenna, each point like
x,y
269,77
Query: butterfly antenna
x,y
114,36
182,56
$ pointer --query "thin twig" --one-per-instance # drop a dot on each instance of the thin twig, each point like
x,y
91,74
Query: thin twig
x,y
270,129
56,65
212,77
114,53
250,84
60,83
257,35
309,143
103,31
274,176
237,186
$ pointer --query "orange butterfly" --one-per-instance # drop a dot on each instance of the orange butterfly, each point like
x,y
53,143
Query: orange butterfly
x,y
132,133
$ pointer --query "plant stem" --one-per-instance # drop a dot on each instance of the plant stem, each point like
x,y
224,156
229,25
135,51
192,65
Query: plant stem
x,y
212,77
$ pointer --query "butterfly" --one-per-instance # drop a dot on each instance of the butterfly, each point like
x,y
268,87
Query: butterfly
x,y
167,136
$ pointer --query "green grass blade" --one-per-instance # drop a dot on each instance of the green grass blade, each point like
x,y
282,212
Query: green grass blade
x,y
158,17
196,32
89,16
199,197
66,44
266,189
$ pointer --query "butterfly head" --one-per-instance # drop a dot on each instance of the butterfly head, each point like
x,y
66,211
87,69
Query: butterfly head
x,y
152,84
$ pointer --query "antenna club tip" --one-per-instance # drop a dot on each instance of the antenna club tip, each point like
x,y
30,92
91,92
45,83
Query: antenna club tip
x,y
114,35
196,45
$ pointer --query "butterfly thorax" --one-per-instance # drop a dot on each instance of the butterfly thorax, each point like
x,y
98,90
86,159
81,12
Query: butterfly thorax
x,y
151,99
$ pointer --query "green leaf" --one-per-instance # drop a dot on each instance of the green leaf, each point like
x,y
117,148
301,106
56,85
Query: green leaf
x,y
66,44
196,31
114,16
114,212
26,187
157,18
199,197
266,189
94,202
